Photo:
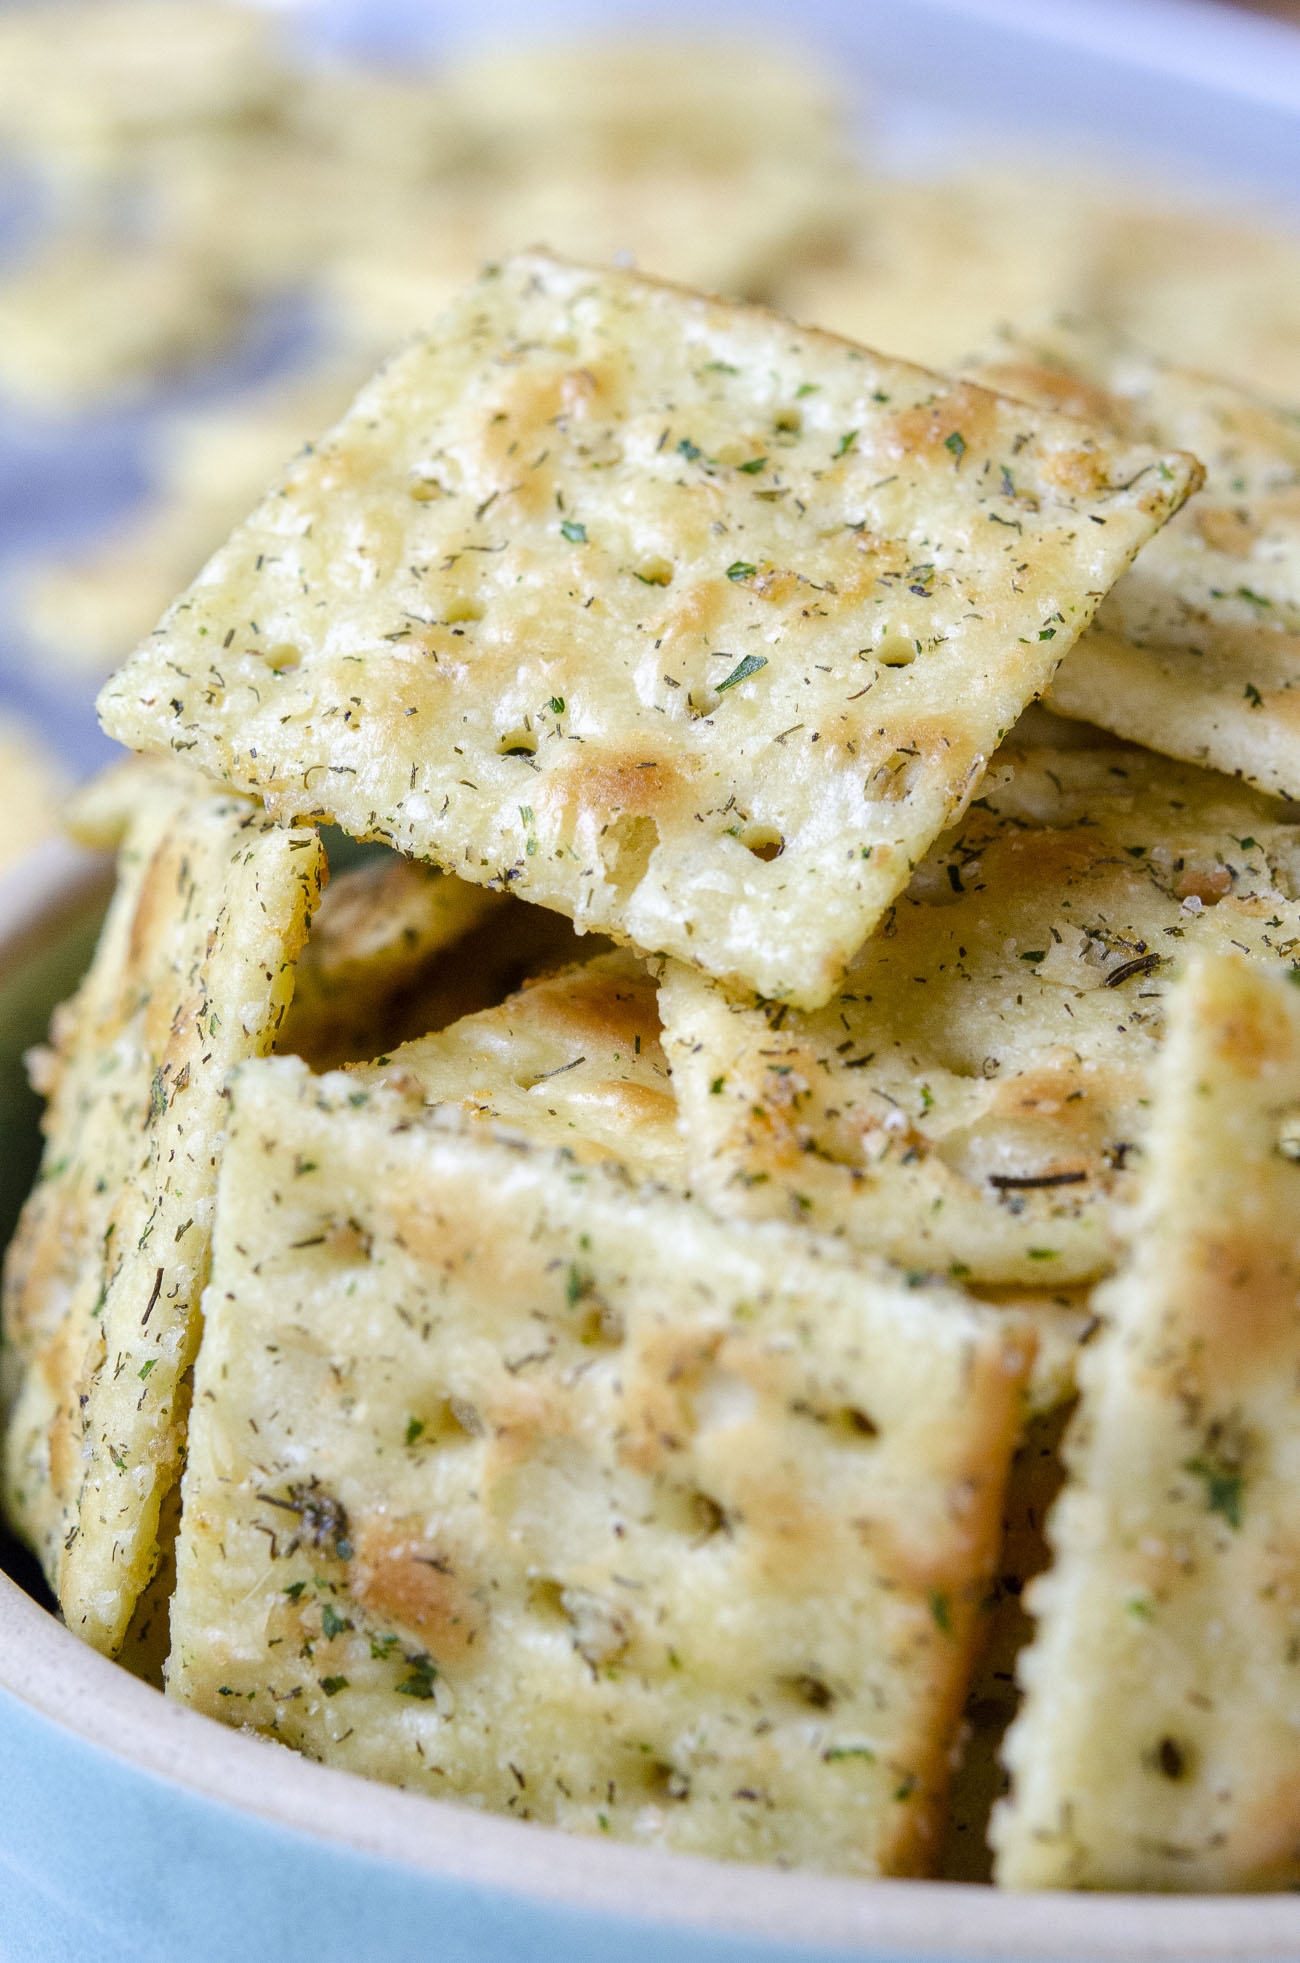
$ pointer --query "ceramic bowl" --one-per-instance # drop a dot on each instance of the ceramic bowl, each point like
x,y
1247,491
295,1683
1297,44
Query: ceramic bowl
x,y
134,1831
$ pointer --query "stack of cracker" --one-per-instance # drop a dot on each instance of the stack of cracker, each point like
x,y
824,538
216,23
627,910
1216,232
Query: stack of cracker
x,y
615,1385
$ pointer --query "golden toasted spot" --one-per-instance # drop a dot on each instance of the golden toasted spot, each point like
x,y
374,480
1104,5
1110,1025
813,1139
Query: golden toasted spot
x,y
1051,388
775,586
657,1416
962,410
1263,1835
638,1104
596,1009
1226,530
1205,883
402,1576
612,786
1252,1036
519,1421
1081,472
696,613
1240,1306
339,467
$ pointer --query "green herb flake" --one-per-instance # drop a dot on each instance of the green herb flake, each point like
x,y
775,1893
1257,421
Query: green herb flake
x,y
752,468
806,388
294,1590
834,1753
845,443
1035,954
420,1682
940,1611
332,1623
557,705
1140,1608
741,569
1223,1488
333,1685
1253,696
145,1368
715,1088
956,443
742,671
1043,1253
414,1429
689,450
1255,599
573,531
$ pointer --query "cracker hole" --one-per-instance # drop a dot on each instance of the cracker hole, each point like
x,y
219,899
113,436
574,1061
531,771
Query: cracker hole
x,y
1172,1759
788,422
463,610
425,489
602,1327
849,1421
517,743
707,1518
626,848
810,1689
346,1240
1288,1137
283,655
654,571
545,1599
664,1781
895,651
764,842
448,1421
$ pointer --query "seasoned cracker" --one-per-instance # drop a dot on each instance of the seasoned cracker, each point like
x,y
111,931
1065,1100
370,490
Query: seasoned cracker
x,y
974,1099
1196,651
573,1060
622,105
681,620
1160,1733
81,86
1214,288
192,974
933,265
733,231
153,313
506,1485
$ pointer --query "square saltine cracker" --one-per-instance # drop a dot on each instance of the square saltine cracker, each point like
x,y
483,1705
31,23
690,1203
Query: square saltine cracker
x,y
1196,651
975,1097
505,1484
192,973
690,623
1158,1743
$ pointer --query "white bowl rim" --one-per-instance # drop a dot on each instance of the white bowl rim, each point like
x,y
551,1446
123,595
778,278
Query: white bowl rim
x,y
56,1676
